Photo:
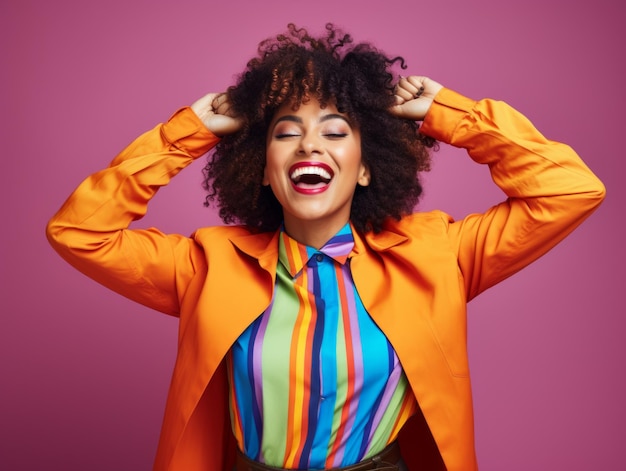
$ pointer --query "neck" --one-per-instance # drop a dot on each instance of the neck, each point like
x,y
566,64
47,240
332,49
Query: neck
x,y
312,233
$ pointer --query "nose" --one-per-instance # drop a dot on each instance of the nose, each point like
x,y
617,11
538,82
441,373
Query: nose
x,y
310,143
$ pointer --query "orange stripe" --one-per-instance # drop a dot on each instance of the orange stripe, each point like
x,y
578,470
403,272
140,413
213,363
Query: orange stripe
x,y
297,398
291,426
306,376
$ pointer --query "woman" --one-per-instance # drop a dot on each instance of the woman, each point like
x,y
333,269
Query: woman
x,y
329,324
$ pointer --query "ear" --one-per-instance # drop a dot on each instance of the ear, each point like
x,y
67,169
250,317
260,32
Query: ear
x,y
265,181
364,176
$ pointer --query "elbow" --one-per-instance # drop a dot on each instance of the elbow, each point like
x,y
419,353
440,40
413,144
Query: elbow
x,y
55,234
581,204
52,232
595,194
601,192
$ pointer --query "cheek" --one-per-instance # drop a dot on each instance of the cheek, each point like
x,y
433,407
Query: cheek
x,y
355,158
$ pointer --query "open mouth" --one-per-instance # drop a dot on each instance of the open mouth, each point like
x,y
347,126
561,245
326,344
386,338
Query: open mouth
x,y
310,177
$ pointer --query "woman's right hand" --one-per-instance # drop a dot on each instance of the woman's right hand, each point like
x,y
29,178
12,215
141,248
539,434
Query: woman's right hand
x,y
215,111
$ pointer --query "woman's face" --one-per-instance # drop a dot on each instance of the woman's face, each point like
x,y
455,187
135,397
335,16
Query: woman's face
x,y
313,165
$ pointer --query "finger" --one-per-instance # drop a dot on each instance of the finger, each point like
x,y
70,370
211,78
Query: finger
x,y
416,81
204,105
403,93
407,94
403,84
427,86
410,87
226,109
218,101
399,100
223,106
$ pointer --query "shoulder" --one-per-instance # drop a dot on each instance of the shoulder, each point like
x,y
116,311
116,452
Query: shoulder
x,y
218,234
221,232
427,228
433,222
220,240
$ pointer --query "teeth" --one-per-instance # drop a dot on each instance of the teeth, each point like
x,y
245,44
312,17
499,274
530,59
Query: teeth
x,y
319,171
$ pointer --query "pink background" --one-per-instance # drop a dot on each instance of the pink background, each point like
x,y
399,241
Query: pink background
x,y
84,373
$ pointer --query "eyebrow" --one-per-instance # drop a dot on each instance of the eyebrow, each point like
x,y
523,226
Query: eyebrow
x,y
326,117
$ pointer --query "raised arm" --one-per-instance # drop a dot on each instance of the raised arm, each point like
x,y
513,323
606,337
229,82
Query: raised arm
x,y
90,231
549,189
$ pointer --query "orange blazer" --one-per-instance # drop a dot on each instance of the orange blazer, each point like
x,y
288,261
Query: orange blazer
x,y
414,278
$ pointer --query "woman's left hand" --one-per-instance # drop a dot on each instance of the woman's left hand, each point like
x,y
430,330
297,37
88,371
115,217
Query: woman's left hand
x,y
414,95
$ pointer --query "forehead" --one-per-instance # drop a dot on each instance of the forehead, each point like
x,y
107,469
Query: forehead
x,y
309,105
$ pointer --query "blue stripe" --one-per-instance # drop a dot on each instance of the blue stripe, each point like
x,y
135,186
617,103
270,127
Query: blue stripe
x,y
243,376
370,423
256,413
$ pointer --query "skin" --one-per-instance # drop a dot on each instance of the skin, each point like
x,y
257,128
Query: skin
x,y
317,137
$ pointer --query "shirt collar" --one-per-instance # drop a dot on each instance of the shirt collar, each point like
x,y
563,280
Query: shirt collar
x,y
294,256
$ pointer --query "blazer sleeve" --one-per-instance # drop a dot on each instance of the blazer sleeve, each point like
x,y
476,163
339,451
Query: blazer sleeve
x,y
90,231
549,189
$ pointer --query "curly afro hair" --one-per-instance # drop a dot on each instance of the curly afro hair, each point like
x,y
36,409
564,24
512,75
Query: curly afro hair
x,y
357,79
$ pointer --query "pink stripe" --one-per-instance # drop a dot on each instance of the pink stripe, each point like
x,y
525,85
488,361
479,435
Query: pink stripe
x,y
355,336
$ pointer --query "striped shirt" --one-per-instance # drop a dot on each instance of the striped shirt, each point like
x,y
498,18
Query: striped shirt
x,y
314,383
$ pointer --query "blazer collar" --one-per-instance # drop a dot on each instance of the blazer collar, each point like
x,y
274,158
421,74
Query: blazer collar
x,y
260,246
264,246
379,242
